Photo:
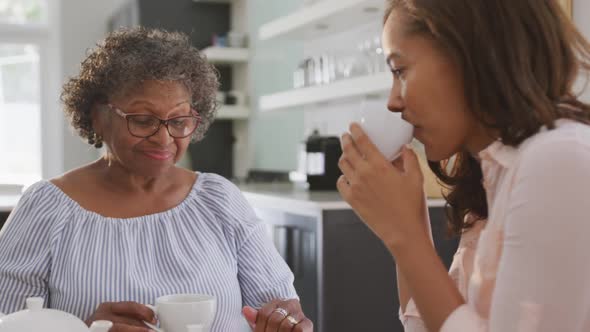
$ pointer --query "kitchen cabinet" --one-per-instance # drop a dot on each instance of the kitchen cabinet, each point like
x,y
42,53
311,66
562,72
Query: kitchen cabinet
x,y
3,217
343,273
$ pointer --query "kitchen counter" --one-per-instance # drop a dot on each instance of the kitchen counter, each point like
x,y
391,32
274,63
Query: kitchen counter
x,y
8,202
329,249
284,194
9,196
290,198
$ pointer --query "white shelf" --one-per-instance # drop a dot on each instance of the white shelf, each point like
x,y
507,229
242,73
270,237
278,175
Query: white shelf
x,y
233,112
353,87
322,18
226,54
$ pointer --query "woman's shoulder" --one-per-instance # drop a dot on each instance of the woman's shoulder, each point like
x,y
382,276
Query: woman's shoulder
x,y
568,133
38,192
41,204
549,148
224,199
556,158
215,185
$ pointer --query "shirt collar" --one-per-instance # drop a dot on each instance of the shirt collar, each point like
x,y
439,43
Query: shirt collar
x,y
499,153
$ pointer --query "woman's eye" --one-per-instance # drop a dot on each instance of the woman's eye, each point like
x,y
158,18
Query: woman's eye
x,y
398,72
179,122
143,121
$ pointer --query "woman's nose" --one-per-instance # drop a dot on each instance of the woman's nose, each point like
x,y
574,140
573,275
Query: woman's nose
x,y
395,103
162,136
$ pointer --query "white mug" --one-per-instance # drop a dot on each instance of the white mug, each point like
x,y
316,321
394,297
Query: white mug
x,y
387,130
176,313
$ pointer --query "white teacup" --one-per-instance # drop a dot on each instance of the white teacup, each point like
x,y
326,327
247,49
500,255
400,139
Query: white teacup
x,y
177,312
387,130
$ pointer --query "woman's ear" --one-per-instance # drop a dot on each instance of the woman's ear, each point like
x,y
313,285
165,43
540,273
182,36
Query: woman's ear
x,y
97,118
97,126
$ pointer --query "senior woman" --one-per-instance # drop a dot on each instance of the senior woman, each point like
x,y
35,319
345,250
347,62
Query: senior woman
x,y
103,240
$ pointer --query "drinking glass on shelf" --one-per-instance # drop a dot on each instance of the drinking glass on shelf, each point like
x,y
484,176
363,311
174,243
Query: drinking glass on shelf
x,y
310,72
365,55
344,66
299,75
378,55
328,68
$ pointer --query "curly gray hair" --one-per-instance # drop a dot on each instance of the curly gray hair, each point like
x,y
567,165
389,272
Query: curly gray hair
x,y
128,57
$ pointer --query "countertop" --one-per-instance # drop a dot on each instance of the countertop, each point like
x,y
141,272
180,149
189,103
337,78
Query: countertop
x,y
9,196
273,194
8,202
292,198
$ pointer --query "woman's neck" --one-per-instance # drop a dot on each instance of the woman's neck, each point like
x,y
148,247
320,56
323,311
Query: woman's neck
x,y
120,178
481,140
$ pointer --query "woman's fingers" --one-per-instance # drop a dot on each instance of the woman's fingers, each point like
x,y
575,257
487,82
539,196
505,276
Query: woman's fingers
x,y
305,325
410,161
250,314
133,310
364,144
350,151
264,314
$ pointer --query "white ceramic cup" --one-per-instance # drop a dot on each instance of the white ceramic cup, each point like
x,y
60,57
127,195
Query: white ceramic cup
x,y
177,312
387,130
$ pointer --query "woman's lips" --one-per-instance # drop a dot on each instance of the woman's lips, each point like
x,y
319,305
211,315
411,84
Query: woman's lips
x,y
158,155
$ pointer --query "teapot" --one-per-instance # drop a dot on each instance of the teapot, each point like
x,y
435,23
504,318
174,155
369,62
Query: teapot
x,y
37,319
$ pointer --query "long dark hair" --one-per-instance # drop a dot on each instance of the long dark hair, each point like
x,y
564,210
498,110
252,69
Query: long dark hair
x,y
519,61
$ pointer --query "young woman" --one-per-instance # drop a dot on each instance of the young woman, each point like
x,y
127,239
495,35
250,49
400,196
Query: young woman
x,y
488,86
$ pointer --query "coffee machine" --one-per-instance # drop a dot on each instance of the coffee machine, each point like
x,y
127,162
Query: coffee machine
x,y
322,155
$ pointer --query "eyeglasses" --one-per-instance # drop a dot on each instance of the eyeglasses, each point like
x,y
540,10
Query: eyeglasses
x,y
146,125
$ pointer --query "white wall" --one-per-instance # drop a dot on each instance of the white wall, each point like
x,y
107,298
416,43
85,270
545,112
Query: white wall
x,y
582,20
84,22
582,16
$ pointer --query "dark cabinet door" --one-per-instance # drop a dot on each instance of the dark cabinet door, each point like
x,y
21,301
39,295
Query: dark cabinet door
x,y
297,244
3,217
295,237
214,153
359,288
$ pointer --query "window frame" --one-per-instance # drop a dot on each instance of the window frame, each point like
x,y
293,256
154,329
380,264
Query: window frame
x,y
46,36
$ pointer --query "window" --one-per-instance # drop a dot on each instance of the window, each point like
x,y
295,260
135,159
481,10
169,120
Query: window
x,y
20,118
23,11
27,59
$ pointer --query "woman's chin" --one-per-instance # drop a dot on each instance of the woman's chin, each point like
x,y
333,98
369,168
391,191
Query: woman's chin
x,y
436,155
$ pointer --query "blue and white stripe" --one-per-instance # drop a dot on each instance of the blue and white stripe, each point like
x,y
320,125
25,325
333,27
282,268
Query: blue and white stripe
x,y
211,243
